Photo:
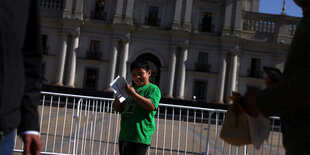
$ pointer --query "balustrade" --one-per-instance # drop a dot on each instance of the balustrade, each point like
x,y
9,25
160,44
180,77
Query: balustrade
x,y
55,4
268,23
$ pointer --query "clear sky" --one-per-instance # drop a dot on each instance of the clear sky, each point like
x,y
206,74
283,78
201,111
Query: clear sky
x,y
275,7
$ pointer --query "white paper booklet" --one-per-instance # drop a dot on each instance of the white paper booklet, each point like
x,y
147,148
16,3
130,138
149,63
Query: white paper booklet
x,y
118,86
259,129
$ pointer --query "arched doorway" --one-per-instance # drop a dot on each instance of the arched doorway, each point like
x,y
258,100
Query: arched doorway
x,y
154,65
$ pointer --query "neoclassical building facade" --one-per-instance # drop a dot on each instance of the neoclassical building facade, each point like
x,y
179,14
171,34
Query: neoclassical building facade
x,y
201,48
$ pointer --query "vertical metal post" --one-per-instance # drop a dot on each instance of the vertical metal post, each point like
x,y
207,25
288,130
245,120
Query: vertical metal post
x,y
172,126
208,135
193,142
76,125
216,130
164,138
156,146
186,135
64,125
179,139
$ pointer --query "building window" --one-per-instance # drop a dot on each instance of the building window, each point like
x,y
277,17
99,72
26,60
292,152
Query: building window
x,y
94,46
44,44
202,64
152,18
99,10
200,90
91,78
94,50
206,22
255,70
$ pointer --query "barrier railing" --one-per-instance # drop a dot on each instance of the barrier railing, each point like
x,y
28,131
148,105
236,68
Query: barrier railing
x,y
74,124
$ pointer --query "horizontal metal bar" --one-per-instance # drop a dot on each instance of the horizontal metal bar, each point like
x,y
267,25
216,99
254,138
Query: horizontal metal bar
x,y
76,96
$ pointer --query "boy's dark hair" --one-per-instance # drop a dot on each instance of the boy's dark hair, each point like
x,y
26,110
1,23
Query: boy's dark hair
x,y
140,64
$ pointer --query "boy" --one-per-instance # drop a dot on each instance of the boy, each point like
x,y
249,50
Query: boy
x,y
138,111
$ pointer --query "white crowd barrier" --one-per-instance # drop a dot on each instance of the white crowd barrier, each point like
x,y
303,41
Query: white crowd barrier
x,y
75,124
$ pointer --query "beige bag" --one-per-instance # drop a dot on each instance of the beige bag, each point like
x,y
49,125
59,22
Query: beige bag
x,y
235,129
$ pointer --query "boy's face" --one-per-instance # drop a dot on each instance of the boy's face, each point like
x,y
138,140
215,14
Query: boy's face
x,y
140,77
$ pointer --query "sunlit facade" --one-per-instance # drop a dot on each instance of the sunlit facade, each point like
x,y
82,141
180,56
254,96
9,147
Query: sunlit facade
x,y
201,48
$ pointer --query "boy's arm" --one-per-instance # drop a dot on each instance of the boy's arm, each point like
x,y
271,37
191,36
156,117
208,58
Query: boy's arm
x,y
117,105
144,102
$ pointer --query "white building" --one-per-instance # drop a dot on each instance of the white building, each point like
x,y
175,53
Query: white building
x,y
202,48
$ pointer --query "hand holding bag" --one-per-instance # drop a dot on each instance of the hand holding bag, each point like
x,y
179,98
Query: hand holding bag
x,y
235,129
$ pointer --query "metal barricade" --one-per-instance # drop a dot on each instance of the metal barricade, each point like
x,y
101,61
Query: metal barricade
x,y
75,124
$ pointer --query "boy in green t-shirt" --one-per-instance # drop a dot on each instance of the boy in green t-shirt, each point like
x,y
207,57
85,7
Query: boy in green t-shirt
x,y
138,111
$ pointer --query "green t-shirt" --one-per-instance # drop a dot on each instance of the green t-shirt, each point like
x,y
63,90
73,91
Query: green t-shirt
x,y
137,123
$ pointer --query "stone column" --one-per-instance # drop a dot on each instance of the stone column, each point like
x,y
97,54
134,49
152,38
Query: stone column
x,y
234,71
78,12
112,63
129,12
171,71
181,74
67,13
234,62
228,15
238,15
283,30
221,78
61,58
124,58
72,60
119,11
87,9
177,15
188,15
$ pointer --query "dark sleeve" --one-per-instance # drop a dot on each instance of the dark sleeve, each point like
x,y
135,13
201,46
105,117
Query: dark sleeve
x,y
32,62
289,95
292,92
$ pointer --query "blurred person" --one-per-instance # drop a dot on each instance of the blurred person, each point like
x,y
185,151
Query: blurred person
x,y
289,97
138,111
20,74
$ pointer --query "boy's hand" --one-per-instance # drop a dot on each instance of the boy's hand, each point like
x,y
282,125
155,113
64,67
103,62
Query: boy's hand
x,y
129,90
117,105
116,99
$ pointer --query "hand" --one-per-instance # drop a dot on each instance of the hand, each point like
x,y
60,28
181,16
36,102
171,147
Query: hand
x,y
235,97
129,90
269,82
250,103
116,99
117,105
32,144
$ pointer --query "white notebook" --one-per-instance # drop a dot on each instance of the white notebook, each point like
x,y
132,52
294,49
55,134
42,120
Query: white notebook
x,y
118,86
